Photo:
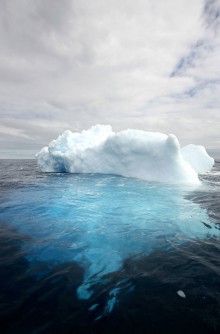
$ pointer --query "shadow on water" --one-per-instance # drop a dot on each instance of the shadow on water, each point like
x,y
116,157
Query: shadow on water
x,y
145,293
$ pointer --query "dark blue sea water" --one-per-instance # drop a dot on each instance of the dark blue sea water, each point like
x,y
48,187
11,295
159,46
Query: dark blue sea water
x,y
106,254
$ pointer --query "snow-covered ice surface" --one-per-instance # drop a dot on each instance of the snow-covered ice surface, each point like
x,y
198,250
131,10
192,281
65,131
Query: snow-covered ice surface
x,y
198,158
130,153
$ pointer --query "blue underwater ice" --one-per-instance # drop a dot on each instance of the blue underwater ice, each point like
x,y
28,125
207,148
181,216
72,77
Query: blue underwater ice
x,y
99,221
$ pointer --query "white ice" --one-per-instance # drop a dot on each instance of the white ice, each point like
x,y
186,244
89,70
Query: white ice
x,y
131,153
198,158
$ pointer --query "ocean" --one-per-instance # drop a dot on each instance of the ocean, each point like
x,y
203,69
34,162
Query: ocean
x,y
87,253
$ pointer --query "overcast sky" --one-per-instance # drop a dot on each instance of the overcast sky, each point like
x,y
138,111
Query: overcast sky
x,y
144,64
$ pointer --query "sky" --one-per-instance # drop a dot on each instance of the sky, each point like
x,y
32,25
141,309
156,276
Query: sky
x,y
152,65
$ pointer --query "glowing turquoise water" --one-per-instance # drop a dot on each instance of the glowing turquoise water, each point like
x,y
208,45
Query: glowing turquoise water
x,y
99,221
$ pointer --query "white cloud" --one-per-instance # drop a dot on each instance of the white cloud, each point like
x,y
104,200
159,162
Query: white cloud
x,y
71,64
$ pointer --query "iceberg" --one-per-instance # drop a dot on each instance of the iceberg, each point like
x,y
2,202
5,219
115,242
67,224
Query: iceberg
x,y
198,158
145,155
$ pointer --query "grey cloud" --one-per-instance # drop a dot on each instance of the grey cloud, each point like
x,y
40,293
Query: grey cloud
x,y
70,64
212,14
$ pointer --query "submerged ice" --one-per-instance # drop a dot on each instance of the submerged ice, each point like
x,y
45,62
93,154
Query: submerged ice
x,y
130,153
99,221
